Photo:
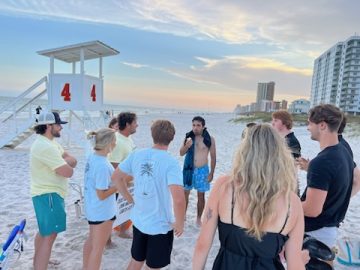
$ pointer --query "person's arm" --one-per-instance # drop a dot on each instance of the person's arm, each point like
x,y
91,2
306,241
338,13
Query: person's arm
x,y
178,197
303,163
212,159
293,253
208,228
356,181
65,171
186,146
314,202
119,179
103,194
70,160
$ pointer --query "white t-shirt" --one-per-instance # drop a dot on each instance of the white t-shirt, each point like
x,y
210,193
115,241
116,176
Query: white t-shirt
x,y
154,171
98,171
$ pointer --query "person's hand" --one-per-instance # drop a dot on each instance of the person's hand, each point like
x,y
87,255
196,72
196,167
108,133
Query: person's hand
x,y
305,256
129,199
178,227
210,177
188,143
302,163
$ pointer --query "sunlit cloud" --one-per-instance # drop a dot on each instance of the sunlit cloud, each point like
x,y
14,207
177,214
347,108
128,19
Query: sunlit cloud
x,y
243,74
233,22
134,65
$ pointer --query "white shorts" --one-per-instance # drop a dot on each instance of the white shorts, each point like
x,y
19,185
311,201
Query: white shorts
x,y
327,235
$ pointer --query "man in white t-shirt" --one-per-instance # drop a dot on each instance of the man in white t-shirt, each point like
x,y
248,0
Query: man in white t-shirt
x,y
159,208
50,168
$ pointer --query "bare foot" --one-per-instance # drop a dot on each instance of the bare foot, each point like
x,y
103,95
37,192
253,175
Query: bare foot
x,y
111,245
125,235
54,262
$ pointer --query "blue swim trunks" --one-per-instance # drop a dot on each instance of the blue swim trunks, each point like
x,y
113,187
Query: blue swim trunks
x,y
199,179
50,213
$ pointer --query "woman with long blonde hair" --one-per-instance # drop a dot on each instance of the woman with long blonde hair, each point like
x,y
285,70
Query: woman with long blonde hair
x,y
255,208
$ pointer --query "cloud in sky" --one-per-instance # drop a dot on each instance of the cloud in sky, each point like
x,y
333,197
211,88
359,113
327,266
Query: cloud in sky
x,y
231,21
134,65
240,73
223,49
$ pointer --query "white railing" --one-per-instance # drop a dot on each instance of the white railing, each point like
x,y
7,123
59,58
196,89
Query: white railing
x,y
16,114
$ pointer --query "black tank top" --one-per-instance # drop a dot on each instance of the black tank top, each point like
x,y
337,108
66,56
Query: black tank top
x,y
241,251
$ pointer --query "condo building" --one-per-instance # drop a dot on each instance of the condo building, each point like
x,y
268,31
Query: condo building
x,y
336,76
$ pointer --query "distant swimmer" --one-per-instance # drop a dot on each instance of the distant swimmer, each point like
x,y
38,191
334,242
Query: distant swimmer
x,y
197,146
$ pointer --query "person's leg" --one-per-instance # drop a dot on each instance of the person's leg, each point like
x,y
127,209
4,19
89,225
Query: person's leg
x,y
135,265
99,235
200,206
187,194
138,250
159,248
87,250
202,185
43,247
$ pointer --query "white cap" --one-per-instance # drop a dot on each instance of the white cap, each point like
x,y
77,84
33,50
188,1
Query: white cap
x,y
47,118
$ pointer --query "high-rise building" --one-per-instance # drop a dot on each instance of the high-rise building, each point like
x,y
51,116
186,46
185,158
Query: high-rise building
x,y
265,91
336,76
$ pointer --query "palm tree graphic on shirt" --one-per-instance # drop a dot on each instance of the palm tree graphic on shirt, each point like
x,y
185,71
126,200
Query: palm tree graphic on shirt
x,y
147,171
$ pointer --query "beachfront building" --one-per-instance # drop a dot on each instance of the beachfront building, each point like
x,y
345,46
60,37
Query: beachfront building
x,y
299,106
336,76
265,91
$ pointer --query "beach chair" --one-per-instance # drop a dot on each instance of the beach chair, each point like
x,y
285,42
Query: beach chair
x,y
13,247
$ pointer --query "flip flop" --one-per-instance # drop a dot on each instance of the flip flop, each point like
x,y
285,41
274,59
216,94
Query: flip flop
x,y
315,264
318,249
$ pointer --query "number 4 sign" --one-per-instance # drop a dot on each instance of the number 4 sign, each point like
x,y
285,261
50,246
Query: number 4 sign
x,y
75,92
65,93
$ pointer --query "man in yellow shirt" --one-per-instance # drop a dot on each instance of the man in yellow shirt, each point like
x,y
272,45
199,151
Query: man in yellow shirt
x,y
127,124
50,168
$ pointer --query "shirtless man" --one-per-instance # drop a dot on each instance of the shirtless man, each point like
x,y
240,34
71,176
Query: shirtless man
x,y
197,146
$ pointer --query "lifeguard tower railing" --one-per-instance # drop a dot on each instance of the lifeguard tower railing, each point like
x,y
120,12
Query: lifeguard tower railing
x,y
17,117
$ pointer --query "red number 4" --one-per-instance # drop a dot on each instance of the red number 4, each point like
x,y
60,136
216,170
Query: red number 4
x,y
93,93
66,92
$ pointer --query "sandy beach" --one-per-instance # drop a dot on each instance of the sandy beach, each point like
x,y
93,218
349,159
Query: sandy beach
x,y
16,202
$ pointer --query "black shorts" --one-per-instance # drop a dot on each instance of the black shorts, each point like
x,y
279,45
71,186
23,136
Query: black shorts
x,y
154,249
99,222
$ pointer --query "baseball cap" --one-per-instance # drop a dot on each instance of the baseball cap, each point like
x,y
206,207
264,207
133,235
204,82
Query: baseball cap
x,y
47,118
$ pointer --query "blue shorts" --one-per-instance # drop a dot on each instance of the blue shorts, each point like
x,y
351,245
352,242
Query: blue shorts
x,y
200,180
50,213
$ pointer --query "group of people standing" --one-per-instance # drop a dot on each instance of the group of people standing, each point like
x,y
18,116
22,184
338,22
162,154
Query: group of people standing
x,y
255,208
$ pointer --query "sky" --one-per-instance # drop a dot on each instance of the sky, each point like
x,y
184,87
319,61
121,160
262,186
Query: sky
x,y
197,55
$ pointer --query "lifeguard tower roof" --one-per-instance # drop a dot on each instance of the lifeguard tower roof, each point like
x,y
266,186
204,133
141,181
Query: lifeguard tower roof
x,y
71,54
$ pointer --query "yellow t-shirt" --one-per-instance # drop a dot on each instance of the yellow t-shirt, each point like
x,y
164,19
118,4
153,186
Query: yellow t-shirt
x,y
45,157
124,146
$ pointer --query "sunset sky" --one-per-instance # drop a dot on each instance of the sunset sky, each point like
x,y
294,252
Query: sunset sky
x,y
203,55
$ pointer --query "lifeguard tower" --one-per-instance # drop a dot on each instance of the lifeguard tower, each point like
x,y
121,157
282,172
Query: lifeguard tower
x,y
65,91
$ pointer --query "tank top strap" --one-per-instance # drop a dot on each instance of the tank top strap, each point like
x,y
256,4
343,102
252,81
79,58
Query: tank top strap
x,y
232,203
286,219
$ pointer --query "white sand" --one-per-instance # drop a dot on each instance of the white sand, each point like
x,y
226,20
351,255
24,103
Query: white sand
x,y
16,202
